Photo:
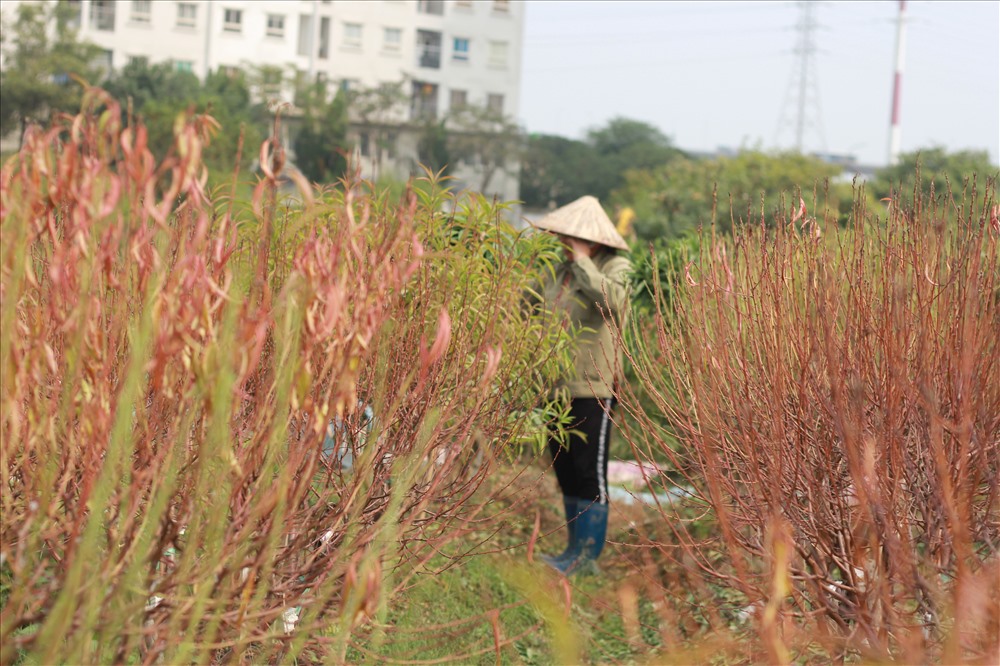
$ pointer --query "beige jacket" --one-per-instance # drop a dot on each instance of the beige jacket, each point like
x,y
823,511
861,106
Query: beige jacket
x,y
581,289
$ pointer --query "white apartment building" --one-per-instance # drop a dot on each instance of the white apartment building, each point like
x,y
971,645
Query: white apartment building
x,y
450,52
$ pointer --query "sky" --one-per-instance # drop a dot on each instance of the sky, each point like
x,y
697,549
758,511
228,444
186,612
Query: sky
x,y
714,74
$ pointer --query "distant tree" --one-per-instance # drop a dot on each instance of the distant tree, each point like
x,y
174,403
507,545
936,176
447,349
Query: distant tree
x,y
559,170
159,92
226,97
485,138
644,144
321,145
267,81
673,199
935,166
376,109
40,63
143,83
625,144
307,93
156,93
432,147
556,170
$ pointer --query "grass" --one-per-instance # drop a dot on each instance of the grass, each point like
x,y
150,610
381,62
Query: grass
x,y
442,617
615,616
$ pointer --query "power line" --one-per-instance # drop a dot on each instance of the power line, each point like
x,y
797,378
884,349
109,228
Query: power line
x,y
662,63
658,36
621,12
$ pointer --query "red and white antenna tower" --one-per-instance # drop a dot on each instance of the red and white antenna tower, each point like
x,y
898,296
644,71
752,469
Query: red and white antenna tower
x,y
895,132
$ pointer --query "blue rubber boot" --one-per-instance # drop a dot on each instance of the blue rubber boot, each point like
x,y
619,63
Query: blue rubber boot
x,y
591,531
572,506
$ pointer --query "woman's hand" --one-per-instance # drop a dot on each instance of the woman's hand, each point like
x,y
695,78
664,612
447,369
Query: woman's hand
x,y
576,247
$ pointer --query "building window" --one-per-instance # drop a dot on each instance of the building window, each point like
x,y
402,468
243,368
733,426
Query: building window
x,y
435,7
104,61
183,66
392,38
305,35
498,54
232,20
102,15
270,81
423,103
364,144
460,49
352,35
494,103
138,61
501,5
429,49
347,85
463,4
141,11
276,25
187,14
459,99
324,38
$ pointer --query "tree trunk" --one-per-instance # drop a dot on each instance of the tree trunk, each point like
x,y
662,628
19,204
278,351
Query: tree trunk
x,y
487,176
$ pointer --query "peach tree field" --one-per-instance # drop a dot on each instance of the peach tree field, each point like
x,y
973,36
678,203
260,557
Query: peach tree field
x,y
185,381
251,431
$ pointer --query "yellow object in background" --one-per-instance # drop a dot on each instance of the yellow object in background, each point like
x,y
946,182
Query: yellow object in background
x,y
625,217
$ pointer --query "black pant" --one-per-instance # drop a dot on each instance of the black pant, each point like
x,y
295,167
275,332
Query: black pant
x,y
582,466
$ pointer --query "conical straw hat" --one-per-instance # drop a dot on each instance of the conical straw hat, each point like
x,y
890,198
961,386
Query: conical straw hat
x,y
584,219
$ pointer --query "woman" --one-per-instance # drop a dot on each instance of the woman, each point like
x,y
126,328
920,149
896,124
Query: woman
x,y
589,288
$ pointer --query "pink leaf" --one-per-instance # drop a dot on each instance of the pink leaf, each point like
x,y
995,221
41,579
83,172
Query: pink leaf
x,y
687,275
442,340
493,356
265,159
801,212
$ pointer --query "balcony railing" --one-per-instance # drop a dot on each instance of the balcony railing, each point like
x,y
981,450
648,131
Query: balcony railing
x,y
423,103
429,57
420,111
429,49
